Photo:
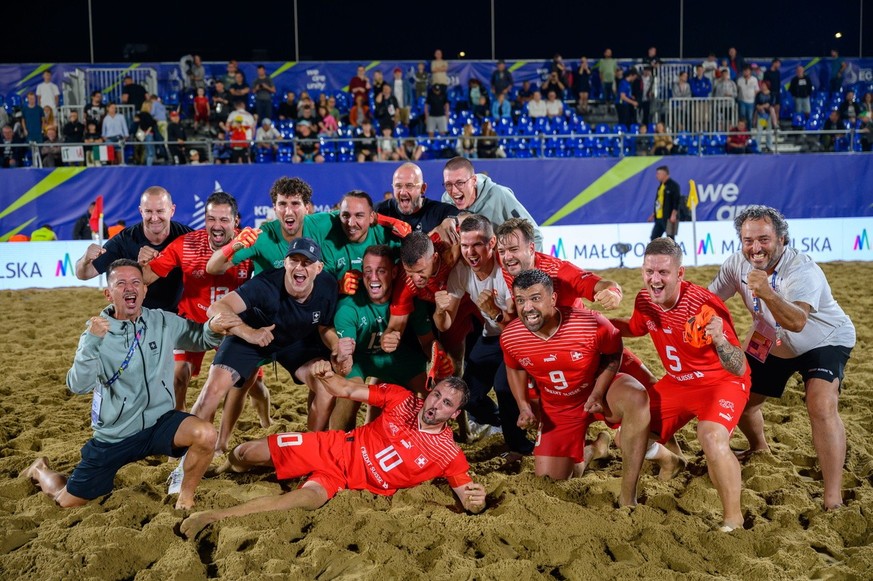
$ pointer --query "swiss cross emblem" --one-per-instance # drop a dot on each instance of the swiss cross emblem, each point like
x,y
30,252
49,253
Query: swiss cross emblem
x,y
421,461
575,356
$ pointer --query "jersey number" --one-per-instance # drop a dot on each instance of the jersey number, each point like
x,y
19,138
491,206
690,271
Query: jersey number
x,y
217,292
670,352
559,382
374,345
289,439
389,458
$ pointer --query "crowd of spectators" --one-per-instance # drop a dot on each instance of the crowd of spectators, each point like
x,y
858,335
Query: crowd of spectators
x,y
404,115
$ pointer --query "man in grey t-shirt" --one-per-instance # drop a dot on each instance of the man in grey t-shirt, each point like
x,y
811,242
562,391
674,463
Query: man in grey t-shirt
x,y
798,327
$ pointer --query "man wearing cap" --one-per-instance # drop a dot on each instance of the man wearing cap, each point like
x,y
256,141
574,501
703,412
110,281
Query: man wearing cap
x,y
287,317
267,136
501,79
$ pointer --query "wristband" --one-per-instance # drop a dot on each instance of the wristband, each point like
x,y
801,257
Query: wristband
x,y
227,250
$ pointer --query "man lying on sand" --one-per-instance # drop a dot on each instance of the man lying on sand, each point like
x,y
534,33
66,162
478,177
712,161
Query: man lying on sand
x,y
408,444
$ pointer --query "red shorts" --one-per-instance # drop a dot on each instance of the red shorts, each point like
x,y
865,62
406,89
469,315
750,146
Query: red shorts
x,y
562,431
463,323
195,358
634,366
318,454
675,403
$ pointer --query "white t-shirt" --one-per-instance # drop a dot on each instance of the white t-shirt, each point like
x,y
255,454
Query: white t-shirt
x,y
46,93
536,108
797,278
463,280
747,89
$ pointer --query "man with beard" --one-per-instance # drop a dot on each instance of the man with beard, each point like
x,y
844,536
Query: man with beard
x,y
142,242
707,377
409,444
574,356
410,204
479,194
798,327
190,253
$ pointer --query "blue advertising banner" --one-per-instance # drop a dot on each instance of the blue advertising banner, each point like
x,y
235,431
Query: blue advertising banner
x,y
559,192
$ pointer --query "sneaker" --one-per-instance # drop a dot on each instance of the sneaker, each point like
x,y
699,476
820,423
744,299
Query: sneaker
x,y
477,431
174,480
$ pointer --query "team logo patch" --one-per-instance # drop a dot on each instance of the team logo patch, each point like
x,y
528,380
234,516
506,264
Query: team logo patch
x,y
341,262
727,417
153,346
551,357
392,427
575,355
525,362
668,331
406,444
421,461
316,316
728,405
650,325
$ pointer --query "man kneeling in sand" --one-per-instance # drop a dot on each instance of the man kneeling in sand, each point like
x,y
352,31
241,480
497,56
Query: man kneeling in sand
x,y
408,444
125,357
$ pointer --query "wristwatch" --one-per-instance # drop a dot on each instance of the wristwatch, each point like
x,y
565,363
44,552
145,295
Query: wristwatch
x,y
498,318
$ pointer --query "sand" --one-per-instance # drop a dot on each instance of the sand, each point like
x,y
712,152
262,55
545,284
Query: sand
x,y
533,528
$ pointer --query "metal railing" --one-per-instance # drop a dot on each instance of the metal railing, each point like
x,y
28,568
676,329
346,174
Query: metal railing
x,y
701,114
110,82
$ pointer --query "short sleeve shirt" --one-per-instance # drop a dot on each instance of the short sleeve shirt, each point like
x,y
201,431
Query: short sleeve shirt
x,y
426,219
462,280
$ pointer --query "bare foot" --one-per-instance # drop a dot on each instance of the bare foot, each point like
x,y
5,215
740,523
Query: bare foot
x,y
743,455
727,527
671,466
230,465
34,469
600,447
195,523
835,506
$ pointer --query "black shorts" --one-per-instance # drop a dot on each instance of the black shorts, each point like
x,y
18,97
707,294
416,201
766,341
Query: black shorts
x,y
827,363
95,474
244,358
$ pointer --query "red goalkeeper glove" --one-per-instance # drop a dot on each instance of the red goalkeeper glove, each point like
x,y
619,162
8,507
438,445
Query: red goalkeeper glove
x,y
350,282
398,227
244,239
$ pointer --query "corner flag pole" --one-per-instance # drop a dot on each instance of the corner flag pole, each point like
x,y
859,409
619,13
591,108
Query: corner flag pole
x,y
692,203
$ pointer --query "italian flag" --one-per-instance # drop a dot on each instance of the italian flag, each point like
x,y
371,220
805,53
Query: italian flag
x,y
104,153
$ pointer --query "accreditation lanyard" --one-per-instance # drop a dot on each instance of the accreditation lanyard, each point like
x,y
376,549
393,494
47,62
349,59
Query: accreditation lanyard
x,y
756,303
127,358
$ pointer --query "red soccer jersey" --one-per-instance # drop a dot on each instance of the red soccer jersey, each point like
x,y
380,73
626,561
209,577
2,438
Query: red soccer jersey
x,y
570,281
564,365
682,361
392,453
191,252
405,290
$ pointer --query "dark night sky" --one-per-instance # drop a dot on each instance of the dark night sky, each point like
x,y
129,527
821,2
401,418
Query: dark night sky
x,y
389,29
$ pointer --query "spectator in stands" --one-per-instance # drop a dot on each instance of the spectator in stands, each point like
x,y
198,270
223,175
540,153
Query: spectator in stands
x,y
176,137
436,109
197,73
73,130
739,139
44,233
652,59
466,145
159,113
554,106
582,85
607,67
735,63
194,156
18,125
701,88
681,88
221,148
866,128
439,71
837,66
410,150
328,126
501,80
115,130
365,144
626,104
359,85
4,117
387,146
11,148
387,108
48,93
307,148
230,76
403,92
747,88
773,76
536,107
201,109
867,105
647,97
553,83
710,67
264,89
475,90
239,90
96,110
765,116
500,108
33,115
832,123
481,110
378,82
82,227
145,128
92,137
360,112
726,88
48,119
558,67
663,141
487,146
644,141
850,110
267,137
525,94
421,80
116,228
220,104
801,89
288,107
132,93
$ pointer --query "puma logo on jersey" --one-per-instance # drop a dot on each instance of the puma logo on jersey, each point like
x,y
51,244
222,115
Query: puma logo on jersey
x,y
551,357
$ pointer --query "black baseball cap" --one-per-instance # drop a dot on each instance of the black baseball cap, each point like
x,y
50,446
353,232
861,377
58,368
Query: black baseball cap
x,y
305,247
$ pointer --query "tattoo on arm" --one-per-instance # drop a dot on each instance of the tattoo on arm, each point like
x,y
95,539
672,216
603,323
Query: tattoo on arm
x,y
609,362
732,358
